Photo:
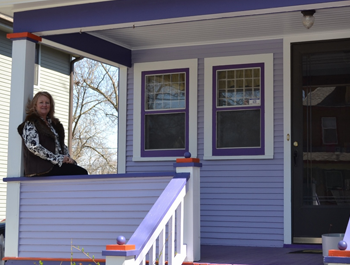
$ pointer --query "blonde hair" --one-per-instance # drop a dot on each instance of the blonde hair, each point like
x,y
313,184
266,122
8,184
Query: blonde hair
x,y
31,106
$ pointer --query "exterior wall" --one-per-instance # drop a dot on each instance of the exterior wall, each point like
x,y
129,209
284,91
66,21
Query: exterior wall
x,y
241,200
86,213
53,77
5,86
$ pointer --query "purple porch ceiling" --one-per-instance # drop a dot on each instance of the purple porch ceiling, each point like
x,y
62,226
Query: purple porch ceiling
x,y
121,11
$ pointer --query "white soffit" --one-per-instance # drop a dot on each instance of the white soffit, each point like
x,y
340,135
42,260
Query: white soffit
x,y
8,7
226,29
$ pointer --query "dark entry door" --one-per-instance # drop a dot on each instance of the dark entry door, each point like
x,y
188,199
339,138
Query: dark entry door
x,y
320,139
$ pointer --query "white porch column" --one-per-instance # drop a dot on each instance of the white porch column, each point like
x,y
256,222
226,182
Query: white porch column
x,y
22,82
22,85
192,220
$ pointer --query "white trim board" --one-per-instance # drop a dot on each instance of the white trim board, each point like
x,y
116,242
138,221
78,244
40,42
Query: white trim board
x,y
192,64
267,59
122,114
287,41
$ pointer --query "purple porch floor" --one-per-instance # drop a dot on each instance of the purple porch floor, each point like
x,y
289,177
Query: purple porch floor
x,y
260,255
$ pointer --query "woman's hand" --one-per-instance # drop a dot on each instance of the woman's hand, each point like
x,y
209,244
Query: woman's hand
x,y
68,160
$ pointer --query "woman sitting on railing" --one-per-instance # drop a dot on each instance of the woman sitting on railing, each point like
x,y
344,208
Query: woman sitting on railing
x,y
45,153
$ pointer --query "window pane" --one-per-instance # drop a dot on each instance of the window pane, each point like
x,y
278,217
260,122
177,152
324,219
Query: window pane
x,y
238,128
165,91
329,122
330,136
248,73
165,131
241,87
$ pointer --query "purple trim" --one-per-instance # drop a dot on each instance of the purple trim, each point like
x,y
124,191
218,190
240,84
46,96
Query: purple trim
x,y
342,260
114,12
164,153
127,253
191,164
46,262
90,44
239,151
182,175
297,246
154,217
127,175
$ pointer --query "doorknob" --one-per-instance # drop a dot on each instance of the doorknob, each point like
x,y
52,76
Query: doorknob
x,y
295,144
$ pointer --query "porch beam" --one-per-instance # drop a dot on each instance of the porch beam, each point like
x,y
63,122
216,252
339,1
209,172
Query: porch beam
x,y
89,44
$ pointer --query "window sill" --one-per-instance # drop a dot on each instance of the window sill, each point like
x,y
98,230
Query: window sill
x,y
237,157
140,159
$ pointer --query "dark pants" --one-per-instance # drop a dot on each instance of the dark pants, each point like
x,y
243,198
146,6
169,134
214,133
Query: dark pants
x,y
66,169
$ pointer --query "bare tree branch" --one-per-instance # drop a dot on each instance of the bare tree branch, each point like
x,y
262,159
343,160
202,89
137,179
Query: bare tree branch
x,y
94,116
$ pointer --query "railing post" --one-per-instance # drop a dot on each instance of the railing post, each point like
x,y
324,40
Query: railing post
x,y
119,260
191,205
117,254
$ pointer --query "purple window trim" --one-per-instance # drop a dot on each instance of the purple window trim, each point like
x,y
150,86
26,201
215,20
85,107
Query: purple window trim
x,y
248,150
168,152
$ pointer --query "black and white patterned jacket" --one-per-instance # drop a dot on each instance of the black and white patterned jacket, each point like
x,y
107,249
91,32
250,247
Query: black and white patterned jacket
x,y
43,145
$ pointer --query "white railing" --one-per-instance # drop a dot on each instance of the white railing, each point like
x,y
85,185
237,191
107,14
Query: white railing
x,y
170,240
160,236
171,229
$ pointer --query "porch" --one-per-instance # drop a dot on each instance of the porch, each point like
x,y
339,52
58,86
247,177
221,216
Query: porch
x,y
232,255
52,201
238,255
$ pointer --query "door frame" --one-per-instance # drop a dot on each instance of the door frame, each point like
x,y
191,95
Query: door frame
x,y
287,120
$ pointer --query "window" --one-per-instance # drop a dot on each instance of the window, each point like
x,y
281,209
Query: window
x,y
238,107
329,130
165,110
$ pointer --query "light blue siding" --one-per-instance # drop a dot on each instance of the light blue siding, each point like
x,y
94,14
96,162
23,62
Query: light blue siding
x,y
5,86
90,214
241,200
54,77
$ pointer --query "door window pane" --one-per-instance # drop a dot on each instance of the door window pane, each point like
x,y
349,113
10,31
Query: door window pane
x,y
326,145
329,130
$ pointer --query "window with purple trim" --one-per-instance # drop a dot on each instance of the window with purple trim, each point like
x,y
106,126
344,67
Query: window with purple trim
x,y
238,109
164,112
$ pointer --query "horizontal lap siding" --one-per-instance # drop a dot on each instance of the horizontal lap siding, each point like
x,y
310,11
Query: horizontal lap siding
x,y
54,77
241,200
5,87
91,214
